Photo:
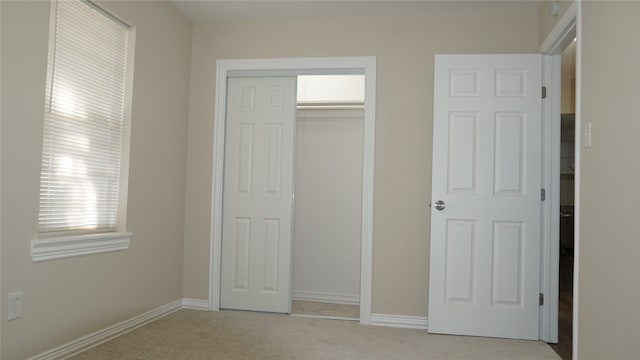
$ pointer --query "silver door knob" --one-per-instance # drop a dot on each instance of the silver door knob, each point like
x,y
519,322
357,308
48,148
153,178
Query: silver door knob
x,y
439,205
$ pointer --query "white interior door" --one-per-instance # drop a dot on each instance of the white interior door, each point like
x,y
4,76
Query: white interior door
x,y
485,213
258,194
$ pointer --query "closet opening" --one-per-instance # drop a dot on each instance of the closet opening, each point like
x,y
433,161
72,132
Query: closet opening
x,y
328,196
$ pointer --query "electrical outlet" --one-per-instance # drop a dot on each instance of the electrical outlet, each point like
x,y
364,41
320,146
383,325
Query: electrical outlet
x,y
15,305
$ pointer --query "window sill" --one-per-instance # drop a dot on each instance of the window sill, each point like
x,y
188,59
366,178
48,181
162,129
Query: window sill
x,y
78,245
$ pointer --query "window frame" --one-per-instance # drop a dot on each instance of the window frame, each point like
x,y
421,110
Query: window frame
x,y
63,244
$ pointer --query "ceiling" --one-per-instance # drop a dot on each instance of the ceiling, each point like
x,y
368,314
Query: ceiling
x,y
218,10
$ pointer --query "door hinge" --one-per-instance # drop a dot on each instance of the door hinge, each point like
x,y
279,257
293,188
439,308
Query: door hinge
x,y
541,299
544,92
543,194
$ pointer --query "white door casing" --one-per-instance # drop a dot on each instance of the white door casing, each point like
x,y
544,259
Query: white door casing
x,y
294,66
258,194
563,33
485,243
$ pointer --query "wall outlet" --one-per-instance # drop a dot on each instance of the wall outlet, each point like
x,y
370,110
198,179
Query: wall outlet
x,y
15,305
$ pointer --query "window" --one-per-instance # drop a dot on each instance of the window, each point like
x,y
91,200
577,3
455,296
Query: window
x,y
85,144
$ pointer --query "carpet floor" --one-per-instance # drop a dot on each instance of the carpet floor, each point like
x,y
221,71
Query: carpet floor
x,y
200,335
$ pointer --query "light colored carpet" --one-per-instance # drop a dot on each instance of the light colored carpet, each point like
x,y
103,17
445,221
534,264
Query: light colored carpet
x,y
313,308
200,335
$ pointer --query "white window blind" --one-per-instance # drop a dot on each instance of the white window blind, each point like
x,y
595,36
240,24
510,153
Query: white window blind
x,y
84,120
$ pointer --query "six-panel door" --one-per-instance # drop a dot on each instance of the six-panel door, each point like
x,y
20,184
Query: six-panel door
x,y
257,197
485,243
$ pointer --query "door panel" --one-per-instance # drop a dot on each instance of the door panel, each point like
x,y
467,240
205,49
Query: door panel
x,y
485,243
462,159
257,195
459,261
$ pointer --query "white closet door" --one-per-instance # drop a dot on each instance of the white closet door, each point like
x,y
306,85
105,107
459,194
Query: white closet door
x,y
258,194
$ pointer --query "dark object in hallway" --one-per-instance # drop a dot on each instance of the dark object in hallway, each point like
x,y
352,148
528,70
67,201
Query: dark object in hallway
x,y
565,306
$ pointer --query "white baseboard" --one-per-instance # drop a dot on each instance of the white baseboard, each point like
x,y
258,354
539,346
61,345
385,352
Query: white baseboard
x,y
325,317
325,297
399,321
195,304
101,336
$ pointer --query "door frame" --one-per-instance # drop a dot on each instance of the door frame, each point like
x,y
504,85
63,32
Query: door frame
x,y
567,28
287,67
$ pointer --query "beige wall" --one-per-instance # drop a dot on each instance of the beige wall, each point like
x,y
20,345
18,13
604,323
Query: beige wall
x,y
567,142
609,287
404,47
609,250
546,21
68,298
568,79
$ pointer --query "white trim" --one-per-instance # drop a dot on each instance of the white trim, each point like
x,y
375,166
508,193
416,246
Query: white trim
x,y
567,28
94,339
1,241
337,106
562,34
325,317
326,297
399,321
550,211
578,156
296,66
195,304
78,245
330,113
